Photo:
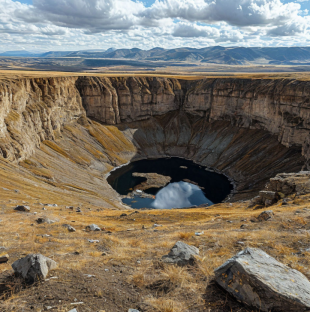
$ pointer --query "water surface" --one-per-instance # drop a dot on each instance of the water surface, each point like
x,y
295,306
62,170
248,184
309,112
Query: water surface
x,y
200,186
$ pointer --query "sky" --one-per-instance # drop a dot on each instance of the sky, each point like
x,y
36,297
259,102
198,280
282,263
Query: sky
x,y
57,25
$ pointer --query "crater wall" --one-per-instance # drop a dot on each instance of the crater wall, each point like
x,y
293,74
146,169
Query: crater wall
x,y
281,107
248,129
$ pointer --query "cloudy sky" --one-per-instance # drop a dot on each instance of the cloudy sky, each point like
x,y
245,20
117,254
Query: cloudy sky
x,y
44,25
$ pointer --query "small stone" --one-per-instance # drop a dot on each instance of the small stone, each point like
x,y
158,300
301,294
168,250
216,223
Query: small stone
x,y
181,254
22,208
93,241
243,226
133,310
73,310
199,233
240,243
69,227
44,220
92,227
4,259
266,215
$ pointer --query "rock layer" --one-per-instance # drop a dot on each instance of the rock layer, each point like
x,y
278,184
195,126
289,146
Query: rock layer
x,y
281,107
34,110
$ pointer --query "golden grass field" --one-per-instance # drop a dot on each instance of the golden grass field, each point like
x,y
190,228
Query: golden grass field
x,y
169,73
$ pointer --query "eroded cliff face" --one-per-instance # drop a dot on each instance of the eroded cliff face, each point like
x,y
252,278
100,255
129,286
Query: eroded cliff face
x,y
248,129
281,107
116,100
34,110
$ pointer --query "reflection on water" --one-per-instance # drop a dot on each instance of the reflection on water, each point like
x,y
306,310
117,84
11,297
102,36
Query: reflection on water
x,y
174,195
191,184
180,195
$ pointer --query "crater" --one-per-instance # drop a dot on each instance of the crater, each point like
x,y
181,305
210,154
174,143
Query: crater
x,y
246,129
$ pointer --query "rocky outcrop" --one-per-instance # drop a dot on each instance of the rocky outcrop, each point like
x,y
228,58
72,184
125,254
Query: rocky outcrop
x,y
291,183
153,180
282,185
260,281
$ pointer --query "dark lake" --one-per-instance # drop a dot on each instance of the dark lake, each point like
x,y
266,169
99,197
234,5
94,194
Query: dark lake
x,y
190,185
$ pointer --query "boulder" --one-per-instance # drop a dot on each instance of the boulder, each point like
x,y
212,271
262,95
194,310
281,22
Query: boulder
x,y
260,281
181,254
265,215
268,198
22,208
93,227
33,267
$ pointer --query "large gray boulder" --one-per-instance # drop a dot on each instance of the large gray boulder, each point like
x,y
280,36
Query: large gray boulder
x,y
260,281
181,254
33,267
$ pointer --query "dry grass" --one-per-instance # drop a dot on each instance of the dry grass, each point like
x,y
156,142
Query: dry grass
x,y
246,72
185,235
141,249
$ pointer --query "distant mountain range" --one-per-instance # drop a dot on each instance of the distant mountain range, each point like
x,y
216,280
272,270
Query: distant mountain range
x,y
213,55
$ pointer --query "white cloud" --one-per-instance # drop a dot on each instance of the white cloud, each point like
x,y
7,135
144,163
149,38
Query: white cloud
x,y
234,12
192,30
71,24
93,16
